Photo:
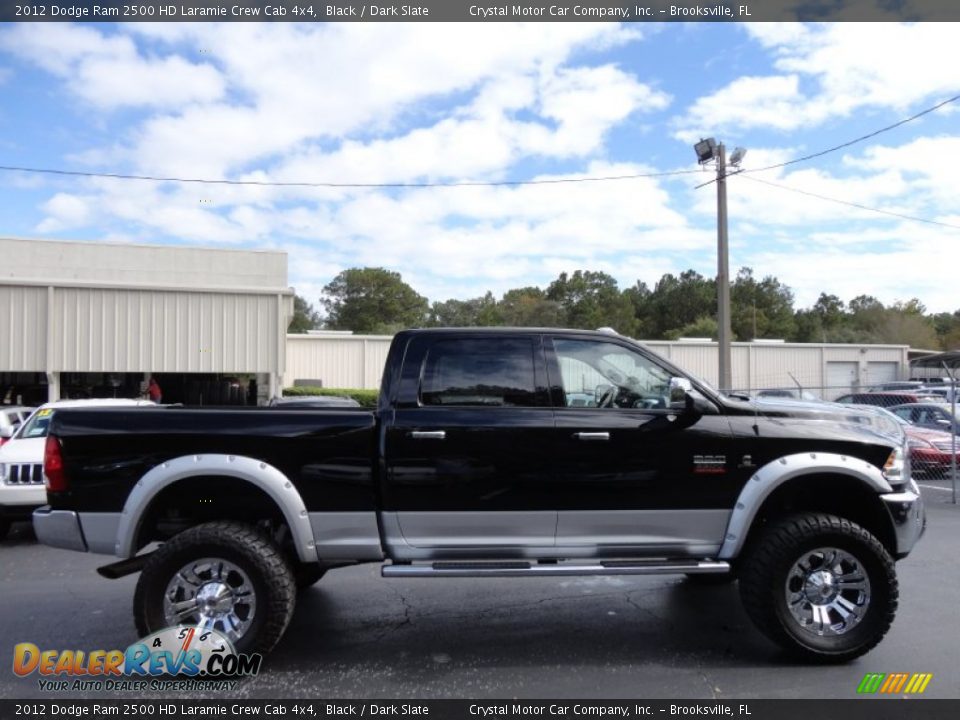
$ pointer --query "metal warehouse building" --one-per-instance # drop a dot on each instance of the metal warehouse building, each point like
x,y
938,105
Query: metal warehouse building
x,y
356,361
96,319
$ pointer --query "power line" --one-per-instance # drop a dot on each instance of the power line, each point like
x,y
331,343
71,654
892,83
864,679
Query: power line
x,y
465,183
856,140
849,204
267,183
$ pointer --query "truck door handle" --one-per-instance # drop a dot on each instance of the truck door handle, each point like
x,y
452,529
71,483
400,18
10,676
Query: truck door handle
x,y
428,434
590,436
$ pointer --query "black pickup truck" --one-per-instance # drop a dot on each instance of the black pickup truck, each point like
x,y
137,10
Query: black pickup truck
x,y
500,453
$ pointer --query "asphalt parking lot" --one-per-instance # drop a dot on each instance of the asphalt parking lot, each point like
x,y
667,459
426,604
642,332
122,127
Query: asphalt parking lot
x,y
358,635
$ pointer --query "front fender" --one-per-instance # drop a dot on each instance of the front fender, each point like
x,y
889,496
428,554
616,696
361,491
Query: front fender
x,y
776,473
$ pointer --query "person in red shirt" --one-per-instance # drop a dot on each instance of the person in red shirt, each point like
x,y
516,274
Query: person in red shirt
x,y
153,390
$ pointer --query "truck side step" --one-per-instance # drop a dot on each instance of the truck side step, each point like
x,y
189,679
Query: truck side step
x,y
524,568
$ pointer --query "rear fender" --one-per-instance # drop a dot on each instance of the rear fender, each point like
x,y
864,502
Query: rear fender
x,y
266,477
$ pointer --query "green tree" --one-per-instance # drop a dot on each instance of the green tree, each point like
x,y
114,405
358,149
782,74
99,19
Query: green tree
x,y
705,327
478,312
947,327
305,317
530,307
372,300
591,300
679,301
640,296
760,309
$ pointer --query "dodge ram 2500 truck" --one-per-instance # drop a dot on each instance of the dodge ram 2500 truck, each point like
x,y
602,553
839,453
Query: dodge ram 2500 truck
x,y
496,453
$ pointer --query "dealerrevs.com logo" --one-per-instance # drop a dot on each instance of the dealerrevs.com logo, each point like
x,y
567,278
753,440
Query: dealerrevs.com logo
x,y
894,683
176,658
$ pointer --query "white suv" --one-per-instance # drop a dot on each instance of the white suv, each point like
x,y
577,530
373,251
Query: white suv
x,y
21,460
11,417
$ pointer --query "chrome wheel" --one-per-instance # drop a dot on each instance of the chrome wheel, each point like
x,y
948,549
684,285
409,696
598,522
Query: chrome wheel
x,y
827,591
211,593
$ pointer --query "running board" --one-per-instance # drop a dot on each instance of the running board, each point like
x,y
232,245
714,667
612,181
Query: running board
x,y
523,568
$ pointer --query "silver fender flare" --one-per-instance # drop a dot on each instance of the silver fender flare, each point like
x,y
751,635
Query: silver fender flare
x,y
775,473
264,476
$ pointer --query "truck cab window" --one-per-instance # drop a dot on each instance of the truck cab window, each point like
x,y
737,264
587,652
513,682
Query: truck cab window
x,y
604,374
480,371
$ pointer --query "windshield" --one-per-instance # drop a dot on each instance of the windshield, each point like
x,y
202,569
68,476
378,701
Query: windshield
x,y
37,426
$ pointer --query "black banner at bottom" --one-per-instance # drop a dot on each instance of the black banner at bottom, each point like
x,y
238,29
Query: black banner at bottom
x,y
566,709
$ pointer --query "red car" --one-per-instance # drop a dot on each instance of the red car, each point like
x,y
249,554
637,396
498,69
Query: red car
x,y
930,450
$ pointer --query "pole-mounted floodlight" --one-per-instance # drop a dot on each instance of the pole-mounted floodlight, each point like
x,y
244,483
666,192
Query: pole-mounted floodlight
x,y
706,150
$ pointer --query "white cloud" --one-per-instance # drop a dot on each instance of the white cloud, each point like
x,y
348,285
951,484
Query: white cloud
x,y
921,264
928,164
108,72
830,70
307,92
64,211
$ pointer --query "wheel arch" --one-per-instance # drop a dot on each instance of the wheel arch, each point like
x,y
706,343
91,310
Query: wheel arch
x,y
816,482
258,478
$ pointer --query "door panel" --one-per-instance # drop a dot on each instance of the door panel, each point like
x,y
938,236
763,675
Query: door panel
x,y
636,473
467,453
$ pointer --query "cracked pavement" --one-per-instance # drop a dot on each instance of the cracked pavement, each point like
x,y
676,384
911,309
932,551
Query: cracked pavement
x,y
356,634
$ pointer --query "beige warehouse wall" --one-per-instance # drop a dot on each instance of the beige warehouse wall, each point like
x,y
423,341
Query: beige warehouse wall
x,y
97,307
56,262
351,361
23,322
131,331
357,361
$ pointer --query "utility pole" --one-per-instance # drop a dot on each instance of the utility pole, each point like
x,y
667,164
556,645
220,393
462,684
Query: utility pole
x,y
707,150
723,272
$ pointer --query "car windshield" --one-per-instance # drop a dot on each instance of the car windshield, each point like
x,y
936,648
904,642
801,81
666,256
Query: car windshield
x,y
37,426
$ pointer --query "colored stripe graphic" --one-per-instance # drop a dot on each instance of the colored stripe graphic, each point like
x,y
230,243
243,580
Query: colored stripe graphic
x,y
894,683
870,683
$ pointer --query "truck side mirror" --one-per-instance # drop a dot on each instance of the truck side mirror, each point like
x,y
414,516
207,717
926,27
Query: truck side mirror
x,y
7,432
679,387
684,396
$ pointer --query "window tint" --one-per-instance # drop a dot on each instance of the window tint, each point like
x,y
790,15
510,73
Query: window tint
x,y
37,425
604,374
480,371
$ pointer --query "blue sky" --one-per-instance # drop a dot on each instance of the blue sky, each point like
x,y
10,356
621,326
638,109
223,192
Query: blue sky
x,y
431,102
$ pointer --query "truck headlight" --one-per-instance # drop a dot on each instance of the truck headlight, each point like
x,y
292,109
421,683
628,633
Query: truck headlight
x,y
897,467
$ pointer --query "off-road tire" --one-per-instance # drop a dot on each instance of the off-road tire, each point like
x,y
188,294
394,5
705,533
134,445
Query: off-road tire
x,y
766,567
243,545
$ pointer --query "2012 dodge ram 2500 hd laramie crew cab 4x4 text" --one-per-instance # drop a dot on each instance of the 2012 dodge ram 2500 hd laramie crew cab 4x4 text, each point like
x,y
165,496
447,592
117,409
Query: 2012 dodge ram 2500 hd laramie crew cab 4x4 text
x,y
496,452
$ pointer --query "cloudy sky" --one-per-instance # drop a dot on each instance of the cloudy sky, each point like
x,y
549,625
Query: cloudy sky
x,y
468,102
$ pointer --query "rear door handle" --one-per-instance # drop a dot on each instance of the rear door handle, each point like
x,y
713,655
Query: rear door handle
x,y
591,436
428,434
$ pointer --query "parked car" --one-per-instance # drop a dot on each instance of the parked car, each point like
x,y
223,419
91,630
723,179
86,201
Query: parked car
x,y
476,463
931,450
21,460
944,393
308,401
899,385
929,415
887,399
787,394
11,417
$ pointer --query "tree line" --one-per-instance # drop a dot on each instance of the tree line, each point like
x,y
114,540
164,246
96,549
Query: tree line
x,y
378,301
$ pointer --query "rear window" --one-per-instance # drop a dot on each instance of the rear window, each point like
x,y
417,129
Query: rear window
x,y
38,425
496,372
